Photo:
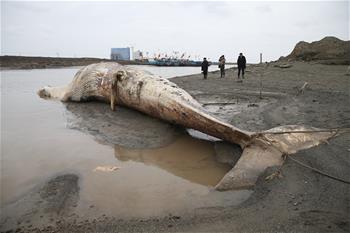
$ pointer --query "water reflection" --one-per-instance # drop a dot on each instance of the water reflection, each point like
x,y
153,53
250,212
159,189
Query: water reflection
x,y
188,158
150,141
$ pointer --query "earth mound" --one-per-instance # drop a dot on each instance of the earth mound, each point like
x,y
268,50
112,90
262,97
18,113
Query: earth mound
x,y
329,50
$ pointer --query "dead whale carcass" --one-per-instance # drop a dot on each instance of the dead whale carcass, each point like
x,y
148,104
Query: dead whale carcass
x,y
163,99
147,93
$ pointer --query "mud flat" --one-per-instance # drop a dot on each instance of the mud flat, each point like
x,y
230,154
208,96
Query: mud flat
x,y
23,62
298,200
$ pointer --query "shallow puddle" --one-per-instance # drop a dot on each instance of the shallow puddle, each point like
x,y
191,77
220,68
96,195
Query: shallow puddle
x,y
147,182
188,158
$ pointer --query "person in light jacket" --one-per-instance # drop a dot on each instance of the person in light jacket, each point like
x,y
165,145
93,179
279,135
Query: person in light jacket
x,y
222,62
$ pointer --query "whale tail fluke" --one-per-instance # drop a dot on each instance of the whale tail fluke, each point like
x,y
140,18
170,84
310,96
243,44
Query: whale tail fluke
x,y
267,149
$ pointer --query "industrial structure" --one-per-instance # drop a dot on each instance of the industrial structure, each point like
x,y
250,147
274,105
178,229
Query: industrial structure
x,y
137,55
121,54
126,54
158,59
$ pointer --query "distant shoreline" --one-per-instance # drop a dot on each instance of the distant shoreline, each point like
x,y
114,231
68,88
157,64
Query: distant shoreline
x,y
27,62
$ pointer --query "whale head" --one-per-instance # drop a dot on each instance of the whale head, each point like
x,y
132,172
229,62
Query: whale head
x,y
44,92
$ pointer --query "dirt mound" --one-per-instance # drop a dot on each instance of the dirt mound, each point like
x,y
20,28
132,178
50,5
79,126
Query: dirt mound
x,y
329,50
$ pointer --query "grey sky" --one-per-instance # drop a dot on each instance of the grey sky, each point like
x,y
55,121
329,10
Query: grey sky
x,y
205,28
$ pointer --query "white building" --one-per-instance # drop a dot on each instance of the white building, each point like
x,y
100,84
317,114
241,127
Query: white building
x,y
137,55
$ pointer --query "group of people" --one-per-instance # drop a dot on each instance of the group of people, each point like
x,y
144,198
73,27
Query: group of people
x,y
241,63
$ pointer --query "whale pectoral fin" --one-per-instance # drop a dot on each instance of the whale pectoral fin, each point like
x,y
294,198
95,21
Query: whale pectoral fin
x,y
112,103
114,91
113,95
118,77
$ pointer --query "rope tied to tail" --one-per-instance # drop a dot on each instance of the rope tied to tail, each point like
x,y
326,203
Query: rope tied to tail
x,y
319,171
285,156
336,130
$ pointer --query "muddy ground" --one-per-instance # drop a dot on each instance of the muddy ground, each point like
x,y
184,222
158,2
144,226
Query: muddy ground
x,y
23,62
300,200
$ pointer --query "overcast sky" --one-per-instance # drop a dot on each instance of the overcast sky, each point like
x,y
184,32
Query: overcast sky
x,y
209,29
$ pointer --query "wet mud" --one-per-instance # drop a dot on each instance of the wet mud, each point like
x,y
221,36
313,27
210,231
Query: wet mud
x,y
124,127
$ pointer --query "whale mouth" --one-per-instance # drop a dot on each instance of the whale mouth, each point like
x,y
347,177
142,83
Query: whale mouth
x,y
43,93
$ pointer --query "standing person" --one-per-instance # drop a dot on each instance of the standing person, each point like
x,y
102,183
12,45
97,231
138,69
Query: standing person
x,y
205,65
241,62
222,62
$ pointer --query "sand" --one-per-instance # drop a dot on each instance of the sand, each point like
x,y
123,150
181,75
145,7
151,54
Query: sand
x,y
299,200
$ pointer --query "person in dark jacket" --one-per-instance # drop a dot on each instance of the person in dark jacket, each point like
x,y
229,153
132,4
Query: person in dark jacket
x,y
205,65
222,62
241,63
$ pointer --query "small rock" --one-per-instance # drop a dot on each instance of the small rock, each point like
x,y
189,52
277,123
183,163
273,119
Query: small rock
x,y
283,66
253,105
